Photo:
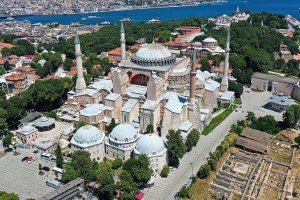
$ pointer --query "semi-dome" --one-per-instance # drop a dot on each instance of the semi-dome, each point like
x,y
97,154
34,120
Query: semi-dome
x,y
154,55
150,144
87,136
124,133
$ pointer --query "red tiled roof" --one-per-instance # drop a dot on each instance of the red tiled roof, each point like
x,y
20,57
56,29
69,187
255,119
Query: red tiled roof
x,y
15,77
13,57
115,52
221,70
25,68
6,45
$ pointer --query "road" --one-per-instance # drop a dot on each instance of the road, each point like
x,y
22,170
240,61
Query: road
x,y
166,188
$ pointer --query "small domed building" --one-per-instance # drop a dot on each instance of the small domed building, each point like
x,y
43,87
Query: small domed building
x,y
91,139
153,146
121,141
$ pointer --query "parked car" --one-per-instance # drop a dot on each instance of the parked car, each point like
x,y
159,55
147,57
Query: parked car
x,y
24,159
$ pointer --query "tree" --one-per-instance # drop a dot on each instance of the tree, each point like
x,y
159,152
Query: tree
x,y
192,139
267,124
205,66
291,116
68,64
237,88
7,66
107,181
7,140
117,163
3,126
2,94
82,166
176,147
297,139
204,171
8,196
59,157
212,163
165,171
250,116
51,114
112,125
149,128
184,192
139,169
127,185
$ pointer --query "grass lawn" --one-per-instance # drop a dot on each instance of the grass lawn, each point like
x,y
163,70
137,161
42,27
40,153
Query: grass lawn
x,y
237,101
200,189
218,119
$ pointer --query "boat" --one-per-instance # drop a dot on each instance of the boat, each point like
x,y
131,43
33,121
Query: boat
x,y
153,21
125,20
105,23
91,17
10,18
84,18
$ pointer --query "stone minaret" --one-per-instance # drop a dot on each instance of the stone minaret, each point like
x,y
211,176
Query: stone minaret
x,y
80,82
193,113
123,41
193,78
224,83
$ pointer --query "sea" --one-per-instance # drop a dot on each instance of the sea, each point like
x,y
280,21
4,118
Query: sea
x,y
285,7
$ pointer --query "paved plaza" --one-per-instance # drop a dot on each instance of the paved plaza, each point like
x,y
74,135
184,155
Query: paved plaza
x,y
166,188
22,178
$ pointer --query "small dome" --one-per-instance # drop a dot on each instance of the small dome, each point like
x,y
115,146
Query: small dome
x,y
210,40
124,133
150,144
27,128
87,136
153,51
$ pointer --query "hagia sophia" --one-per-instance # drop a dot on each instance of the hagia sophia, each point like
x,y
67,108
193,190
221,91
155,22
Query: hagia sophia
x,y
152,87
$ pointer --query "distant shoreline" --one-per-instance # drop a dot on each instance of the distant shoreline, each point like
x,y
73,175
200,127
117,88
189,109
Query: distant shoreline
x,y
124,9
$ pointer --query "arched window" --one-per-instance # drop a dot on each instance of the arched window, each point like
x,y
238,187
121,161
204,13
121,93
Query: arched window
x,y
126,139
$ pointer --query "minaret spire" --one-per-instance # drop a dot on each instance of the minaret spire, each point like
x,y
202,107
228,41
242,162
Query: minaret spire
x,y
123,41
193,78
224,83
80,82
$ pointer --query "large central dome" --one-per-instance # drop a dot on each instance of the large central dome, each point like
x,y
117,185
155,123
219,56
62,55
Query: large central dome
x,y
153,55
153,51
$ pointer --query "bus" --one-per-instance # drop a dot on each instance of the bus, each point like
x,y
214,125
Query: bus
x,y
53,183
57,169
46,156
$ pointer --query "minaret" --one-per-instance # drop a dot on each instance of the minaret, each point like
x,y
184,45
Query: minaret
x,y
193,78
237,12
80,82
123,41
192,108
224,83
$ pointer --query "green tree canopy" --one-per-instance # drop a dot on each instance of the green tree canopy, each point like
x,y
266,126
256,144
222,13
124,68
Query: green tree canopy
x,y
192,139
291,116
82,166
176,147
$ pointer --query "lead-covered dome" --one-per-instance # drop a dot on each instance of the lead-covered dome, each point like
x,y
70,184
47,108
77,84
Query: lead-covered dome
x,y
124,133
87,136
153,55
150,144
